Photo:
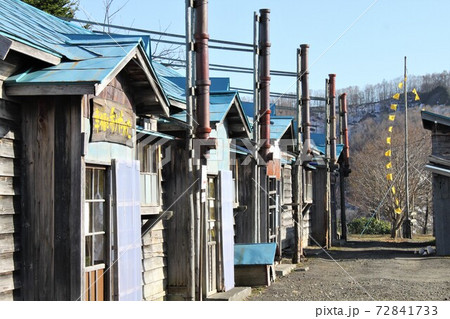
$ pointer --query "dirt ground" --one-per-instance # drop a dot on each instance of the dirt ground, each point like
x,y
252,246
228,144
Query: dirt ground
x,y
369,268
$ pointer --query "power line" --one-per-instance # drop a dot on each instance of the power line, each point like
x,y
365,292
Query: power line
x,y
166,34
223,67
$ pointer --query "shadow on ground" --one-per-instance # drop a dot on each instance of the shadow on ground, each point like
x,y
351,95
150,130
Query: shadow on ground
x,y
370,249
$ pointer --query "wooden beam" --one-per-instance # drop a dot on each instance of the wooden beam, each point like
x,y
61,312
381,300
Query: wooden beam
x,y
35,53
6,69
237,128
5,45
53,89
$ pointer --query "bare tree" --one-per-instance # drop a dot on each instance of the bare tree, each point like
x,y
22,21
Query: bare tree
x,y
369,188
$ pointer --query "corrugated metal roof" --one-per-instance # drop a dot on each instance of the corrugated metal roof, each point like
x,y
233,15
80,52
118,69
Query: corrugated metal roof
x,y
26,24
172,90
217,84
254,254
165,71
279,125
248,108
104,59
220,105
318,143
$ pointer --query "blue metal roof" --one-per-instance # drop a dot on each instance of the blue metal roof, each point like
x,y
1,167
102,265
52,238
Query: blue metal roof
x,y
220,105
254,254
248,108
103,60
87,58
318,143
26,24
165,71
279,125
217,84
172,90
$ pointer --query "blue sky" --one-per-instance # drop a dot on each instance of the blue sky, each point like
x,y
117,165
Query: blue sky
x,y
371,50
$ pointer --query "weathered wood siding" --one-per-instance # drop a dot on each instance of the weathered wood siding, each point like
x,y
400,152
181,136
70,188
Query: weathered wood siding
x,y
441,144
318,210
286,221
306,227
441,204
441,193
10,212
175,199
244,218
154,252
51,198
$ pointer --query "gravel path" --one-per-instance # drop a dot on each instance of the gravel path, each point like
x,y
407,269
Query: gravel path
x,y
370,271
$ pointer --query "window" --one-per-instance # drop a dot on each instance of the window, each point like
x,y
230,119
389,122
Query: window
x,y
150,158
235,175
307,187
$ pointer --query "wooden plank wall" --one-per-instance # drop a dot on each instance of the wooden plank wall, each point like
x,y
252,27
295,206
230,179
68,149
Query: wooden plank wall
x,y
51,198
175,184
154,252
244,219
10,212
286,221
318,211
306,225
441,204
441,144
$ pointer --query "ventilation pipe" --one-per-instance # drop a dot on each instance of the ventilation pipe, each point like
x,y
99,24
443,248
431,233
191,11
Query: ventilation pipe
x,y
332,97
264,80
202,81
306,122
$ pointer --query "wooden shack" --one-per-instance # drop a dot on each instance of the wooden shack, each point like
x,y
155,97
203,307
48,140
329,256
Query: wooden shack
x,y
323,201
217,199
70,102
439,165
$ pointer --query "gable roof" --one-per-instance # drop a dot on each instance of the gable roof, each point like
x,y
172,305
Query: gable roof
x,y
87,61
26,24
279,126
249,108
318,143
224,105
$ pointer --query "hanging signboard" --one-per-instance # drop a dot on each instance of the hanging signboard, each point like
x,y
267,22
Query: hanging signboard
x,y
111,122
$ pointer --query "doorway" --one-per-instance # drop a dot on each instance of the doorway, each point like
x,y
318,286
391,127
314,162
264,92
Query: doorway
x,y
212,236
97,233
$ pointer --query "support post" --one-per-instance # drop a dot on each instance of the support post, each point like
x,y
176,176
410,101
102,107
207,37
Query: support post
x,y
344,165
327,164
193,214
297,174
264,80
333,157
256,182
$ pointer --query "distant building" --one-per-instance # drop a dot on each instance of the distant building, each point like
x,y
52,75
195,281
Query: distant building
x,y
439,165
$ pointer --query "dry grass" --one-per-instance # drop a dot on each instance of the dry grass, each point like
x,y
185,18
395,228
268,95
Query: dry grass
x,y
429,239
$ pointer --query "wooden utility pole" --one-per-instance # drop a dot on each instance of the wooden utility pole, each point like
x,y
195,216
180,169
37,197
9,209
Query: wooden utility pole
x,y
406,223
